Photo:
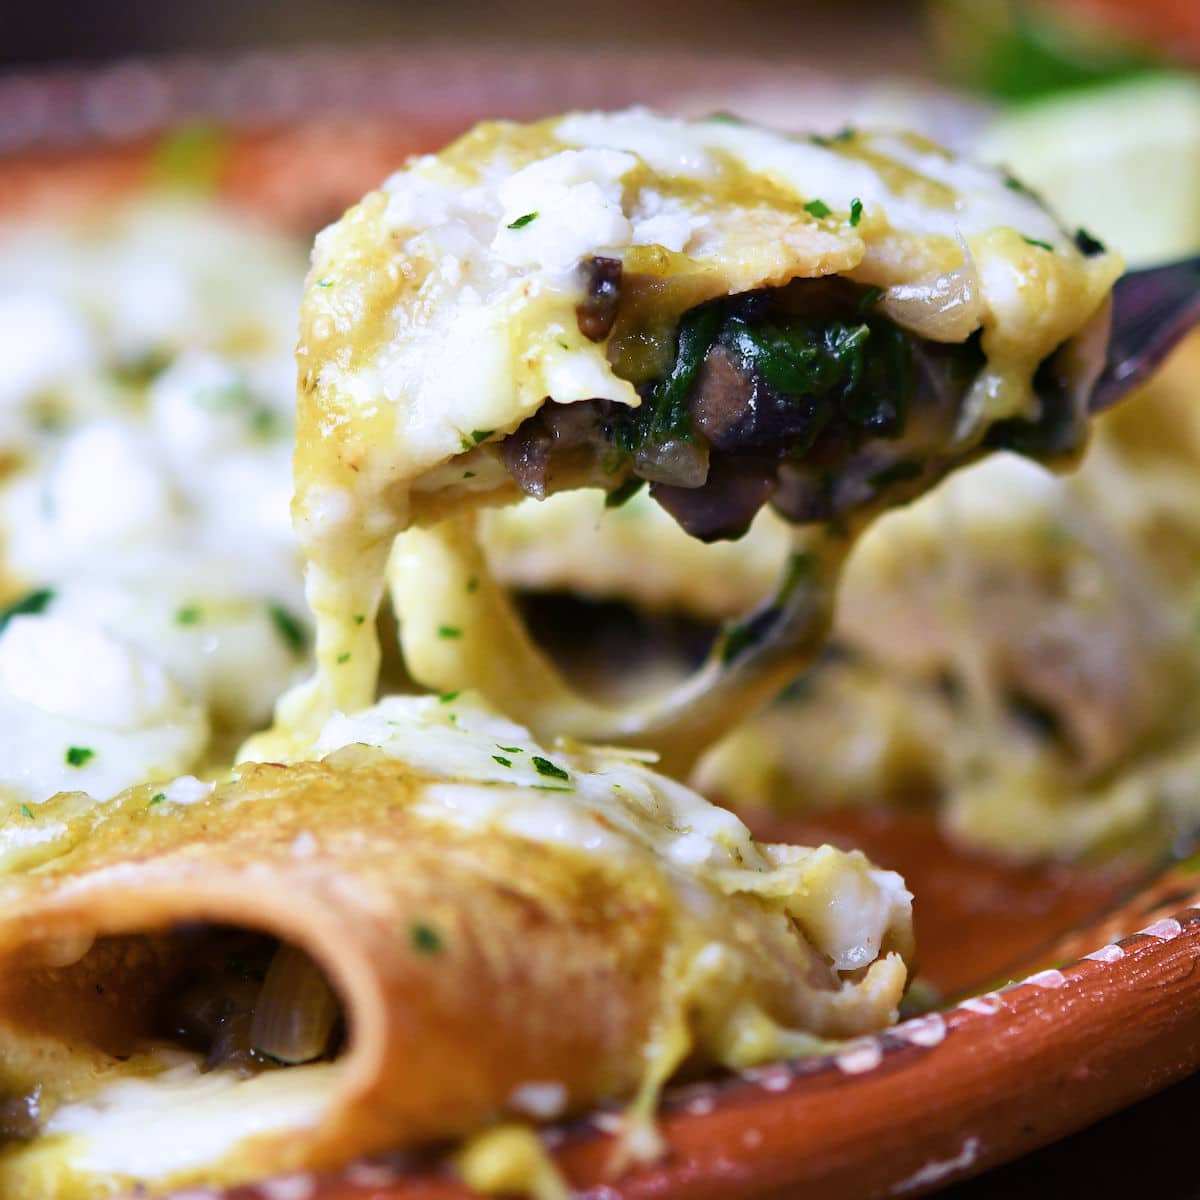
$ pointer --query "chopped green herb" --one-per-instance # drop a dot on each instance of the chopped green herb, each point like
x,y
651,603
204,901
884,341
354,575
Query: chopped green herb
x,y
521,222
724,118
510,749
665,413
855,211
265,422
1087,245
472,585
799,569
425,939
142,368
344,657
845,134
549,787
504,762
1039,244
26,811
817,208
192,158
359,618
323,283
290,628
481,435
546,767
871,296
449,631
735,638
189,614
624,492
1014,184
468,474
158,798
449,697
77,755
29,605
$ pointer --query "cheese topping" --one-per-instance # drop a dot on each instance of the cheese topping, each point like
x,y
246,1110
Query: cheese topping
x,y
445,310
145,416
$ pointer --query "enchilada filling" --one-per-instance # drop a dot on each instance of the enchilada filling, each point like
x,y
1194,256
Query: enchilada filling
x,y
800,396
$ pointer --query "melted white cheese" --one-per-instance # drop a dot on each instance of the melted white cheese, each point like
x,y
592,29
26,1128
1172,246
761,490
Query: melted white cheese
x,y
612,803
148,397
197,1118
82,710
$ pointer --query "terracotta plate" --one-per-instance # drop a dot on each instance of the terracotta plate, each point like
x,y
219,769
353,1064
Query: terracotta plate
x,y
1081,987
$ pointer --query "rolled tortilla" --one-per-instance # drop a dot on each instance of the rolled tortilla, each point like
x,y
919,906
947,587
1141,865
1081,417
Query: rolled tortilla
x,y
504,940
729,314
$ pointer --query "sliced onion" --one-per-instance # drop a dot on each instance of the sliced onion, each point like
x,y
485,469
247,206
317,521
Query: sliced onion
x,y
943,308
675,461
296,1009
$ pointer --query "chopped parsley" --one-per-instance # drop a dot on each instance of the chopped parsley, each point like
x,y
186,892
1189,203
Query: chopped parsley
x,y
142,368
344,657
77,755
425,939
472,585
504,762
481,435
624,491
843,135
189,614
521,222
449,631
26,811
448,697
265,423
468,474
359,618
817,208
29,605
1087,245
1035,242
290,628
855,211
546,767
322,283
510,749
157,798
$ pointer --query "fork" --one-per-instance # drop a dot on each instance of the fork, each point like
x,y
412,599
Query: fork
x,y
754,659
1152,311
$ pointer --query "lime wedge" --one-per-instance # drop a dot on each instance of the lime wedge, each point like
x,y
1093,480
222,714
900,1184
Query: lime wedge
x,y
1122,160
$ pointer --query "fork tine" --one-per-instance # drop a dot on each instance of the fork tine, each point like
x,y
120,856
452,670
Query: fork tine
x,y
1152,311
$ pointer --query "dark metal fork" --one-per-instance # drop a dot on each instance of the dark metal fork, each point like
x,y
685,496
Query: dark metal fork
x,y
1152,310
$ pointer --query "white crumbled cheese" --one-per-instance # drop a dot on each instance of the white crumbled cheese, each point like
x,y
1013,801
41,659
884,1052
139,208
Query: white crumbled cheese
x,y
304,845
570,205
106,490
82,710
70,671
149,389
542,1101
187,789
612,803
41,341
